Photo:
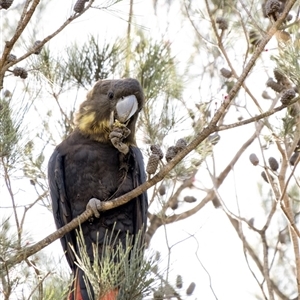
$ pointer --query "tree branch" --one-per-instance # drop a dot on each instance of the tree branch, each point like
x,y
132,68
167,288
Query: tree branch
x,y
211,128
21,26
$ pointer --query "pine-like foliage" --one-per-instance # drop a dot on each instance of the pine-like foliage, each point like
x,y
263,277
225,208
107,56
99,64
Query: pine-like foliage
x,y
287,61
119,268
8,133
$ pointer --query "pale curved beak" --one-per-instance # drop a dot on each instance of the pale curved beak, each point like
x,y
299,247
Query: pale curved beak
x,y
126,108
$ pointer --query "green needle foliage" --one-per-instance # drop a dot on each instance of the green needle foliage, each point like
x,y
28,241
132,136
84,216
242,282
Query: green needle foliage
x,y
119,268
92,61
8,130
287,60
156,68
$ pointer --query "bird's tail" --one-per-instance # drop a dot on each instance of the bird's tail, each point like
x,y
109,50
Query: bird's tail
x,y
78,289
110,295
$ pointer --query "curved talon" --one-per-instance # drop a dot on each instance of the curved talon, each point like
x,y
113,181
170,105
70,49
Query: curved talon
x,y
95,205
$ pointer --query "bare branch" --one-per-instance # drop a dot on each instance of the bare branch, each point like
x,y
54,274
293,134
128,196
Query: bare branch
x,y
4,67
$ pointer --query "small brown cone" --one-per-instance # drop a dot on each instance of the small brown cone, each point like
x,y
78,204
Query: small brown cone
x,y
5,4
189,199
157,256
179,281
274,85
272,8
254,159
287,96
265,95
155,149
264,176
171,152
191,289
222,22
226,73
180,145
162,189
298,146
17,71
79,6
279,76
294,158
289,18
216,202
273,164
173,204
38,50
11,58
152,164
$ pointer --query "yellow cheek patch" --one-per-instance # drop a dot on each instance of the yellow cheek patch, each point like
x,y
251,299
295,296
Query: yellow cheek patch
x,y
85,121
98,130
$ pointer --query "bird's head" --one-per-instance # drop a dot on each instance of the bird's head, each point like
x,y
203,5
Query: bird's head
x,y
110,101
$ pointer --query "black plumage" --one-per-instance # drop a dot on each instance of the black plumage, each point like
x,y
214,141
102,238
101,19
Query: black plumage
x,y
87,165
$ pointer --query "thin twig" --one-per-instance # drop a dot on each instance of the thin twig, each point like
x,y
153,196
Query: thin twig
x,y
266,266
4,67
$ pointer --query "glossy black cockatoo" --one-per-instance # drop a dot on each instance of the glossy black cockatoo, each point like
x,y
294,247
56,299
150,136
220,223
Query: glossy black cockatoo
x,y
100,160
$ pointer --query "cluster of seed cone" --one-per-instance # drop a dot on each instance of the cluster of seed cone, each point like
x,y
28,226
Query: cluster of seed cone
x,y
162,292
273,163
173,150
275,86
21,72
18,71
273,8
173,202
157,155
281,84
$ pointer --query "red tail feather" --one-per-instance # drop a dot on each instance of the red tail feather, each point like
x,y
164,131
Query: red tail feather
x,y
77,290
111,295
75,293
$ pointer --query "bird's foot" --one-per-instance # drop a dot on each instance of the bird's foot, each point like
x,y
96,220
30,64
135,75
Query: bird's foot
x,y
95,205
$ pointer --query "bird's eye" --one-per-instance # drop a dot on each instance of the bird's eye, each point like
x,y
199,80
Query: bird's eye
x,y
110,95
